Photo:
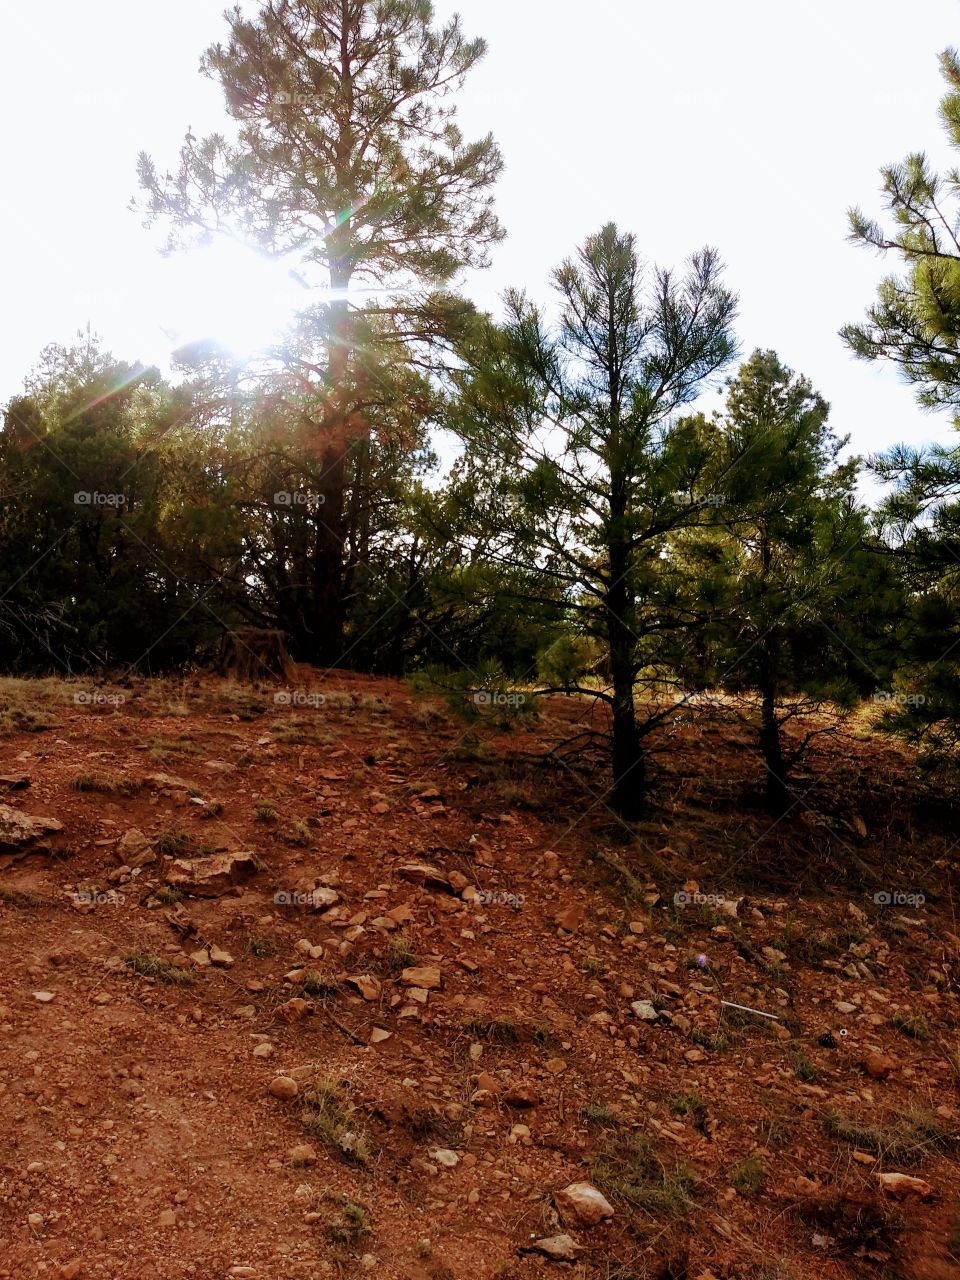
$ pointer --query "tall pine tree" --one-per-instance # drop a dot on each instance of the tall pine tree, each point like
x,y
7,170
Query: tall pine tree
x,y
346,162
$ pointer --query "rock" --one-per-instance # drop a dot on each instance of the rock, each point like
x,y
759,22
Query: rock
x,y
263,1050
293,1010
442,1156
211,876
378,1035
223,959
14,781
43,997
427,877
694,1055
878,1065
582,1205
302,1155
560,1248
219,766
368,986
130,1088
428,978
201,958
283,1087
644,1010
167,1218
556,1066
134,849
21,833
519,1096
169,782
570,919
902,1184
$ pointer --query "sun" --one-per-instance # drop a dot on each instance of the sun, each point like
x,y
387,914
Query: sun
x,y
230,293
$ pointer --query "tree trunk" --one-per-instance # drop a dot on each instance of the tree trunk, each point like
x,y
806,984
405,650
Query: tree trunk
x,y
629,764
771,742
326,624
252,654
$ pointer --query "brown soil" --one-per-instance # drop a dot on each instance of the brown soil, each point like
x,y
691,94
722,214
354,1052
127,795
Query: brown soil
x,y
139,1137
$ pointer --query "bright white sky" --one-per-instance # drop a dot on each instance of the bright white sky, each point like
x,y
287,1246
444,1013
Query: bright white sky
x,y
748,124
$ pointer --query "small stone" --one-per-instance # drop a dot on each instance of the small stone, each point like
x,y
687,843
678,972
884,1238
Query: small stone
x,y
378,1035
134,849
644,1010
263,1050
879,1065
283,1087
35,1220
223,959
694,1055
43,997
520,1096
443,1156
902,1184
561,1248
167,1218
556,1066
570,919
427,977
581,1204
293,1010
368,986
302,1155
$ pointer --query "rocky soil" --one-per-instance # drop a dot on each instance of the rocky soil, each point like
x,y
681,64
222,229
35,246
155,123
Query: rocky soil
x,y
356,986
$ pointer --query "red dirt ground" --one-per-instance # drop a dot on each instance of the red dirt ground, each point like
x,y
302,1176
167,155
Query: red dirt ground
x,y
139,1138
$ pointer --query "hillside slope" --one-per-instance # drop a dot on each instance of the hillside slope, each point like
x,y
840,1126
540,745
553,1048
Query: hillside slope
x,y
448,983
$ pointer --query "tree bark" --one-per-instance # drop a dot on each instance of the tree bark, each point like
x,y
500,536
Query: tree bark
x,y
771,741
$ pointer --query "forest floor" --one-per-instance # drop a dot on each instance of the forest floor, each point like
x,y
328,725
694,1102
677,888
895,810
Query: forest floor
x,y
449,983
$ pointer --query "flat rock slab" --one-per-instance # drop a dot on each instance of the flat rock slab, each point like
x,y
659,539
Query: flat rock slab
x,y
212,876
22,833
170,782
427,877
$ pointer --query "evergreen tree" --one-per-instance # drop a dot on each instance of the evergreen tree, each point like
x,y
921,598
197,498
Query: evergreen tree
x,y
576,473
787,542
915,324
347,163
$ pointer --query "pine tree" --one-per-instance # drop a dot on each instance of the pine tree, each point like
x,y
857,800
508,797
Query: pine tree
x,y
915,324
348,161
792,623
576,473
